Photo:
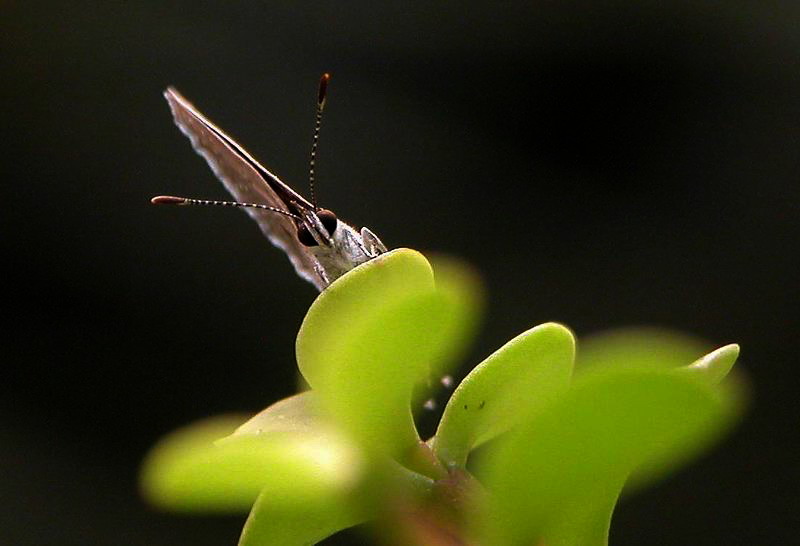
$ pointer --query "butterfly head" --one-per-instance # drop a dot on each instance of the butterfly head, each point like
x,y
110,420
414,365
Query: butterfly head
x,y
317,227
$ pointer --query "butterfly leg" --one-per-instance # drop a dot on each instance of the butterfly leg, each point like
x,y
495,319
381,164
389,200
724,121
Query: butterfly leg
x,y
372,245
321,272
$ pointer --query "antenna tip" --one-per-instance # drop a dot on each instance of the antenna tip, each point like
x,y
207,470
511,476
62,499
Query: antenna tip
x,y
323,89
168,200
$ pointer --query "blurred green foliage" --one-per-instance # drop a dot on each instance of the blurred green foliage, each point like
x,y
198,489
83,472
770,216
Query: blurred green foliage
x,y
640,403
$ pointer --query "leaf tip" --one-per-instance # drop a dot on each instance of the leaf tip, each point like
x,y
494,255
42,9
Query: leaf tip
x,y
559,331
718,363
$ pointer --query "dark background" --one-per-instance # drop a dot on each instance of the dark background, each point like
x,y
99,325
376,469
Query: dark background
x,y
601,163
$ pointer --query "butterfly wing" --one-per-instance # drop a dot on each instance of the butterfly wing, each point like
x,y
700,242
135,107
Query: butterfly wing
x,y
248,182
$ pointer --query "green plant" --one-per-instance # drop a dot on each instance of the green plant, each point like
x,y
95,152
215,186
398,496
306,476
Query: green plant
x,y
559,446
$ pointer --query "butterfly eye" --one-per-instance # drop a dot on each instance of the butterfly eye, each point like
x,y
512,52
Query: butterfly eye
x,y
328,220
305,237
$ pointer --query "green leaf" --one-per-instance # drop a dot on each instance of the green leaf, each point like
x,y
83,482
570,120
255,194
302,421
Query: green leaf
x,y
189,471
369,338
714,366
649,348
271,525
298,413
352,297
375,366
585,522
657,348
531,369
461,285
709,370
576,452
638,347
170,470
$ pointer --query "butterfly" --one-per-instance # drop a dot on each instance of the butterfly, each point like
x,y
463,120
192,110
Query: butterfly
x,y
321,247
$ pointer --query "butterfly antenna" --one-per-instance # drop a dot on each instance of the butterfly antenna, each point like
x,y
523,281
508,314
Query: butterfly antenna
x,y
321,96
172,200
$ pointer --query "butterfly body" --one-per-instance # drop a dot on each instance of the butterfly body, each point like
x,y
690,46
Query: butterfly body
x,y
345,250
320,246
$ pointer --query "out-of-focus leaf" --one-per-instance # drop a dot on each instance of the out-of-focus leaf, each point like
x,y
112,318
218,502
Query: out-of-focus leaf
x,y
188,471
648,348
585,522
298,413
710,369
385,485
531,369
375,366
353,298
273,525
462,286
370,337
167,477
638,348
575,452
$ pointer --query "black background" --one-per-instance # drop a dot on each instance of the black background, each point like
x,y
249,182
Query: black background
x,y
601,163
